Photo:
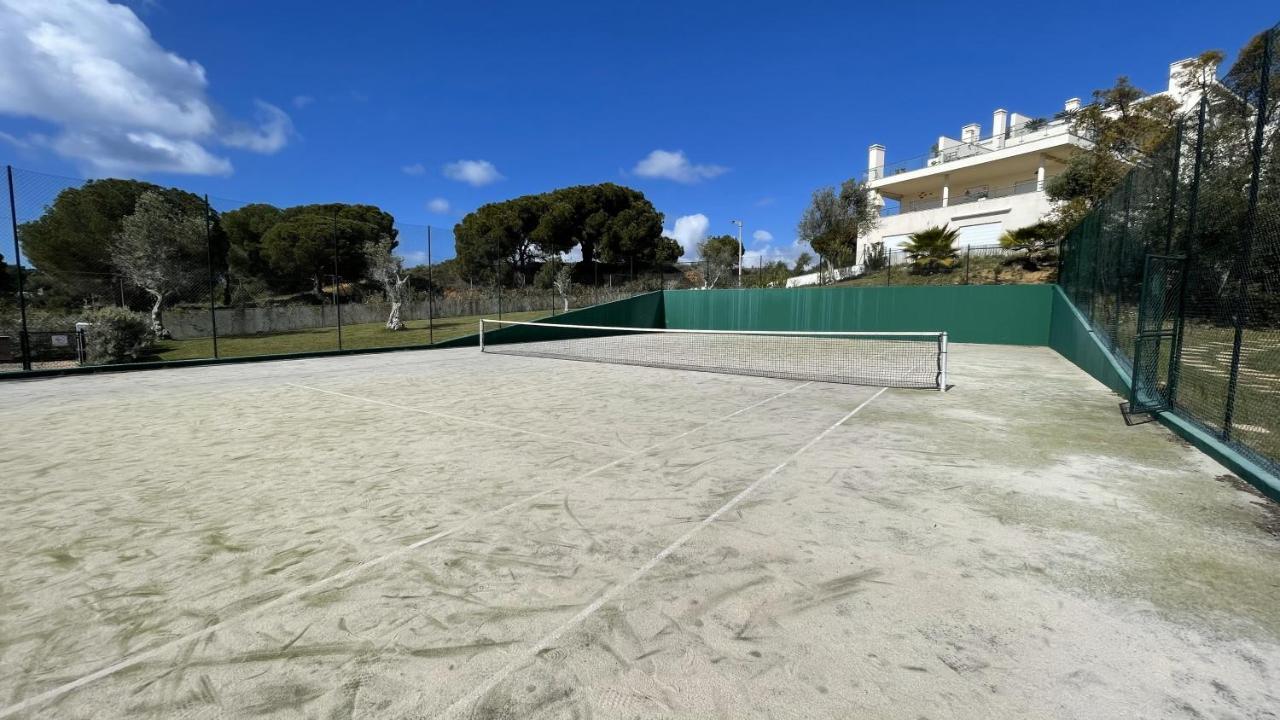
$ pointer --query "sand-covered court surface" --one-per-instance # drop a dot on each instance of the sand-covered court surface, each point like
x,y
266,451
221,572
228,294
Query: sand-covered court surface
x,y
455,534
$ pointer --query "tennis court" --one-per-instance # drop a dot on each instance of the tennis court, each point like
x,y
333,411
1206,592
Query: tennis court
x,y
451,533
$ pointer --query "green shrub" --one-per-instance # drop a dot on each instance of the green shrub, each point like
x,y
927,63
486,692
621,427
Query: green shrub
x,y
116,335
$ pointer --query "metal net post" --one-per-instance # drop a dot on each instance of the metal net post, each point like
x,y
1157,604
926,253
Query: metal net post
x,y
24,343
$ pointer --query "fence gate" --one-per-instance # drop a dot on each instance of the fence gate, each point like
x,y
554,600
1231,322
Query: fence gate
x,y
1156,347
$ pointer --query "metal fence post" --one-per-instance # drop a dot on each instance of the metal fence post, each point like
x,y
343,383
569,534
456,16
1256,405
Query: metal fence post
x,y
1124,240
1173,186
1250,227
1175,362
431,295
213,291
968,249
337,279
24,344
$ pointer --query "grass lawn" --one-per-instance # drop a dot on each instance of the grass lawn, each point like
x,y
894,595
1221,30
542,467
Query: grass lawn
x,y
368,335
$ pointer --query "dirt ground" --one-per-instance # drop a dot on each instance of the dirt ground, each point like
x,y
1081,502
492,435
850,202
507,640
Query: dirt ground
x,y
451,534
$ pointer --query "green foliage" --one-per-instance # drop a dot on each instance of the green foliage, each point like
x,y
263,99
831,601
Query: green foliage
x,y
720,255
610,223
117,335
305,243
70,241
161,248
833,221
875,258
803,261
5,281
932,250
245,228
1033,243
1124,126
546,276
774,274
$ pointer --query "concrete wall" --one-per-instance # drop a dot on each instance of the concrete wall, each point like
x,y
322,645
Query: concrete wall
x,y
1011,212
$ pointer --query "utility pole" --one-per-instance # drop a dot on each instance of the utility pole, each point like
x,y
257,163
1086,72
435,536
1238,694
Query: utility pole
x,y
740,248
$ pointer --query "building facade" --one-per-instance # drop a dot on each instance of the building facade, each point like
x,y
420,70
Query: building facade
x,y
982,185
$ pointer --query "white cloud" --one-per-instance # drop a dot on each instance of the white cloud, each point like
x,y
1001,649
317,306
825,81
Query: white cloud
x,y
669,165
762,236
414,169
689,230
301,101
439,206
769,254
473,172
273,131
414,257
145,151
118,99
766,201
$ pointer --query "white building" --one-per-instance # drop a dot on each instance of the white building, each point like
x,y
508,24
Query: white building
x,y
982,185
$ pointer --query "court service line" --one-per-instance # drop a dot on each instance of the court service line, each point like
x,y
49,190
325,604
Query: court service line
x,y
457,418
612,593
59,691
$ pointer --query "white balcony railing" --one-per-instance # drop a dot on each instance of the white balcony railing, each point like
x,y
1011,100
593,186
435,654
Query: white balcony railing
x,y
1031,131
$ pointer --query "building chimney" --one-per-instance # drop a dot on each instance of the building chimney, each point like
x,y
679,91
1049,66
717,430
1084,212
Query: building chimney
x,y
969,133
1071,105
999,124
875,162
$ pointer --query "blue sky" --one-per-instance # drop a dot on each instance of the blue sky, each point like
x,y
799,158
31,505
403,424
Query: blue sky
x,y
713,109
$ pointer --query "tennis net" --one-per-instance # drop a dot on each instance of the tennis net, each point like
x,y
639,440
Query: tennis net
x,y
896,359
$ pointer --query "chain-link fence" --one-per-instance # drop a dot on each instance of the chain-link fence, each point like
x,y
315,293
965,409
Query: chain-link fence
x,y
124,271
1179,267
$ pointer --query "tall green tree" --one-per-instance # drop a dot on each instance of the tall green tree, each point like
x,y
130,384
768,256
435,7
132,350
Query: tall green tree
x,y
245,228
70,242
1124,125
720,255
608,222
310,240
507,232
834,221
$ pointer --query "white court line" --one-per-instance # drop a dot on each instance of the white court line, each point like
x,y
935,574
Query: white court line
x,y
458,418
545,643
44,697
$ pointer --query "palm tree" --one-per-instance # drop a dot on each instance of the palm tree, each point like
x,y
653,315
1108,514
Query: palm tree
x,y
1032,243
932,250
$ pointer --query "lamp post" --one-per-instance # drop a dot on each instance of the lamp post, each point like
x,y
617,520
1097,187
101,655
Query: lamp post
x,y
739,224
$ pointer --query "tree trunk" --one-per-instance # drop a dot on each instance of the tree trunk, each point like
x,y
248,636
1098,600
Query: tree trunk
x,y
393,321
157,326
566,302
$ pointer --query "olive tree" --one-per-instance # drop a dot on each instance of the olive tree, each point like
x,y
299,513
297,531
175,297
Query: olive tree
x,y
162,248
386,269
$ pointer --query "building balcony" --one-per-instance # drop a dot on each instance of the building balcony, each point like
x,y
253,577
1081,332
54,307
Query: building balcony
x,y
948,150
910,206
